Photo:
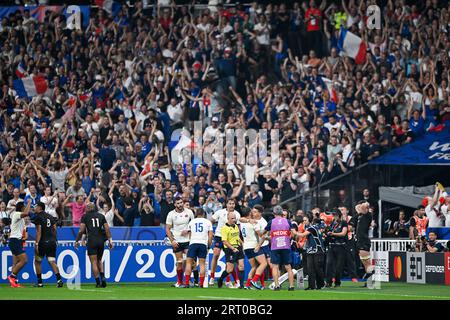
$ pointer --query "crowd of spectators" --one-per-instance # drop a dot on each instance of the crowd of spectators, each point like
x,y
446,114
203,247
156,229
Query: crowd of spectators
x,y
122,87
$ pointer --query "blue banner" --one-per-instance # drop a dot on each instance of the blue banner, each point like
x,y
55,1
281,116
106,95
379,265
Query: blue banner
x,y
38,12
442,233
432,149
125,263
118,233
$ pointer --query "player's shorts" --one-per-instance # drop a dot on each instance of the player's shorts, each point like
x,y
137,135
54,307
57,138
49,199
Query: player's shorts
x,y
250,253
217,243
96,248
281,257
16,246
197,250
363,244
266,250
181,247
233,257
47,249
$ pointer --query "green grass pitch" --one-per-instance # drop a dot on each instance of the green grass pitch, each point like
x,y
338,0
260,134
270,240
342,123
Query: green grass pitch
x,y
163,291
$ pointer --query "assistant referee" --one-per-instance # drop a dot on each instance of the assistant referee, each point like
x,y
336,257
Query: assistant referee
x,y
233,248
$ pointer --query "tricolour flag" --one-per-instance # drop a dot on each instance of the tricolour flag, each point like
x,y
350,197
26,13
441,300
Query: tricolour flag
x,y
30,86
20,71
331,90
352,46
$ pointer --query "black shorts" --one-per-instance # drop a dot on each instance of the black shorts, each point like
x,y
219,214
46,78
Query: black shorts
x,y
181,247
47,249
16,246
96,248
363,244
233,257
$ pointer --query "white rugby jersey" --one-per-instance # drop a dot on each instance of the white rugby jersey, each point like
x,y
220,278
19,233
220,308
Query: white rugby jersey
x,y
200,228
250,236
180,222
221,216
260,226
17,225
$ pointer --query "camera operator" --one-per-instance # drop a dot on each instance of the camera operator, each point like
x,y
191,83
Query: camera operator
x,y
337,236
315,250
432,245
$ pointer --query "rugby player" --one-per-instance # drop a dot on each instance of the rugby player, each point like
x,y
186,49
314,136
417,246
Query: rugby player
x,y
362,238
232,244
96,227
201,234
45,245
260,225
178,221
221,217
15,241
252,251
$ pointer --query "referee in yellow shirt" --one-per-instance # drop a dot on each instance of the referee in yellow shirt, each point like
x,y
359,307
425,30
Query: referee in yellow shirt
x,y
232,243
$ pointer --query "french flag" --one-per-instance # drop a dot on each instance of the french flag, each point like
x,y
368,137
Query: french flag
x,y
353,46
20,71
30,86
331,91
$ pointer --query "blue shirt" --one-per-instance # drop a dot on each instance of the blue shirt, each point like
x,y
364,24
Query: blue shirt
x,y
417,127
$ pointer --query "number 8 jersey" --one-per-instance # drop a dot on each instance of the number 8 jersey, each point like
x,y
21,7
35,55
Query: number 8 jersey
x,y
199,230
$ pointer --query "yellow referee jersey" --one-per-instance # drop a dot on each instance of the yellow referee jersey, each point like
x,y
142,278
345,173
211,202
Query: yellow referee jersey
x,y
231,234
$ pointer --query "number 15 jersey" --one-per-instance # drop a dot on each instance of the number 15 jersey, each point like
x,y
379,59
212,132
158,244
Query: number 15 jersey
x,y
200,228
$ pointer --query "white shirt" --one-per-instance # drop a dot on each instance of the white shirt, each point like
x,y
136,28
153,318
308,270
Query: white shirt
x,y
17,225
446,213
221,216
210,133
250,236
109,216
264,37
11,206
180,222
175,112
200,228
433,220
4,214
260,226
51,203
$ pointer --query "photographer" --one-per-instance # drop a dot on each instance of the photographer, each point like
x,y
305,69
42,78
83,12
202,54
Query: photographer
x,y
432,245
337,236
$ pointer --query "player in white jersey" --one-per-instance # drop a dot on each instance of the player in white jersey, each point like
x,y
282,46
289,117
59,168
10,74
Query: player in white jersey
x,y
221,217
260,226
15,241
254,254
178,221
201,233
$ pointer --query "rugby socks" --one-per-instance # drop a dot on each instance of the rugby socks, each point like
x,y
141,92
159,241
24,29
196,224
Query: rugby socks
x,y
12,275
102,275
224,274
241,277
196,276
58,277
97,280
235,275
212,275
180,276
256,278
262,279
202,279
248,282
228,278
187,279
39,277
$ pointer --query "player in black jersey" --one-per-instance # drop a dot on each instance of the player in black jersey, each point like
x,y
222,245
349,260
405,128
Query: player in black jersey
x,y
46,243
97,230
362,237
